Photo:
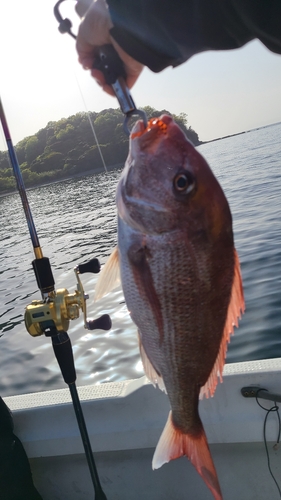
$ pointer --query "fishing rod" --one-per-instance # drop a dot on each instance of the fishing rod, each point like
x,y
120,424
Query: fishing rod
x,y
51,315
20,185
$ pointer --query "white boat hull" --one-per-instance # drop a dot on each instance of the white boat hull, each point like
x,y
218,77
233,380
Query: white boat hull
x,y
125,420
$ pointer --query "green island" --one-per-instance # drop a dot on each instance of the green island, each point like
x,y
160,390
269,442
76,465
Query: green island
x,y
67,148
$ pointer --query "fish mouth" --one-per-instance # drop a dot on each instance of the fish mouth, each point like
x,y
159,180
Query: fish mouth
x,y
148,138
155,125
156,128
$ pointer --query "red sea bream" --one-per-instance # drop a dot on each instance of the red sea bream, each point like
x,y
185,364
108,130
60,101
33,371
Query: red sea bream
x,y
181,279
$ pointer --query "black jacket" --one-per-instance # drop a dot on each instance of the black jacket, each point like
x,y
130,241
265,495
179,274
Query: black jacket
x,y
160,33
16,481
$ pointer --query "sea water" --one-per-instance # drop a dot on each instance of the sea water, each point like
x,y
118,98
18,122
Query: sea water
x,y
76,220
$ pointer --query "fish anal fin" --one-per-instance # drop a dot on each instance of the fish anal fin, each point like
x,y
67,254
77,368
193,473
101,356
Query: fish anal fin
x,y
235,309
109,277
149,370
174,444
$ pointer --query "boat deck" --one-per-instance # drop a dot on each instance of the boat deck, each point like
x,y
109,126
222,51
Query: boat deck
x,y
125,420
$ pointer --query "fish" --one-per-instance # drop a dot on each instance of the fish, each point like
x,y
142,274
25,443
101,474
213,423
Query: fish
x,y
181,279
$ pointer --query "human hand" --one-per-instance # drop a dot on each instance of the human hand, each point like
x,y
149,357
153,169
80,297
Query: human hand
x,y
94,31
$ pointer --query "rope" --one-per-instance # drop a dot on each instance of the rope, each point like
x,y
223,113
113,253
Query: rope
x,y
274,408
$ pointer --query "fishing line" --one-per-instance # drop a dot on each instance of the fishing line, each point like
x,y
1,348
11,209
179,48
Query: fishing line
x,y
274,408
65,26
91,124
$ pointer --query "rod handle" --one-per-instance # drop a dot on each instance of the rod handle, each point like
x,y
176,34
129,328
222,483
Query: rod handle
x,y
64,354
43,273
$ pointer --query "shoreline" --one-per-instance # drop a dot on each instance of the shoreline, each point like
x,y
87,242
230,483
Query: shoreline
x,y
240,133
75,176
119,165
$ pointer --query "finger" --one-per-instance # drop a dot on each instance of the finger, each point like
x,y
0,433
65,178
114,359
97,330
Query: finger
x,y
85,53
87,62
132,67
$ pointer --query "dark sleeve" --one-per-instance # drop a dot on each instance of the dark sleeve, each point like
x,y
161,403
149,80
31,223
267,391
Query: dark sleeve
x,y
16,481
160,33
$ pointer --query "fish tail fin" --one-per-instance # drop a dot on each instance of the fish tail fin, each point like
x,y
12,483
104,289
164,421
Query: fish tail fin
x,y
174,444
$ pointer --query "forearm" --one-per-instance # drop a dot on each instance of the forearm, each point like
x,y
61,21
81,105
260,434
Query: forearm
x,y
160,33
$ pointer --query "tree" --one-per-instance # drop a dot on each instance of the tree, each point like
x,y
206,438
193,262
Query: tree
x,y
32,149
7,184
48,162
4,161
68,146
8,172
66,133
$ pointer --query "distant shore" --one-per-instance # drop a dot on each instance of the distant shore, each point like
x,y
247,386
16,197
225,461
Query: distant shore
x,y
110,168
240,133
87,173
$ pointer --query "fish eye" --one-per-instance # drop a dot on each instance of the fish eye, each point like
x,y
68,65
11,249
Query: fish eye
x,y
184,182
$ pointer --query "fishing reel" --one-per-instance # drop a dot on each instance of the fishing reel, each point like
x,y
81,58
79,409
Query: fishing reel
x,y
53,313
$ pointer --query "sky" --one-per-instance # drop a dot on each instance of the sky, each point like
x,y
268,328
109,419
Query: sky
x,y
41,80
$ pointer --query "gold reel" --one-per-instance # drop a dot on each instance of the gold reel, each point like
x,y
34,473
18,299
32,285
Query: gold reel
x,y
58,308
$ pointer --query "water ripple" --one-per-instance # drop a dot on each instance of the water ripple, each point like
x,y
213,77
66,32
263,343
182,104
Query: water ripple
x,y
76,220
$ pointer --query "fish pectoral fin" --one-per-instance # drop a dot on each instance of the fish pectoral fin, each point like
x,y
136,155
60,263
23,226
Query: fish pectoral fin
x,y
235,309
149,370
139,258
109,277
174,444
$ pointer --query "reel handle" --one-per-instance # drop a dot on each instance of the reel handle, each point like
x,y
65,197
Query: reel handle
x,y
93,266
101,323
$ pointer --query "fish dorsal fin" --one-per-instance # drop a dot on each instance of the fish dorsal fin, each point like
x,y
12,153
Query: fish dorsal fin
x,y
109,277
235,309
149,369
